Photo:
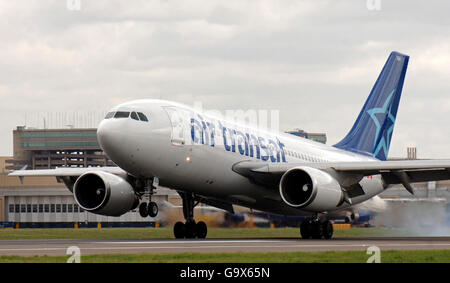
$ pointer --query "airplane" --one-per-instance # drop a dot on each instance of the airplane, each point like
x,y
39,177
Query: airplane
x,y
210,160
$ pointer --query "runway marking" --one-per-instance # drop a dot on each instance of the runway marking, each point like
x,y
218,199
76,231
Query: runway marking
x,y
215,247
196,241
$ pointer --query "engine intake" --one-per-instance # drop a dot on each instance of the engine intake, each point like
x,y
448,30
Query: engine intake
x,y
310,189
104,193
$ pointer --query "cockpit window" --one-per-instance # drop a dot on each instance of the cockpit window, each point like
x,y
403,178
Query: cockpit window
x,y
142,117
134,116
122,114
109,115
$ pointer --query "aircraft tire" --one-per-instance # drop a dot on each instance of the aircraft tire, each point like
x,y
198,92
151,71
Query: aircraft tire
x,y
202,230
143,209
305,230
327,229
152,209
191,230
179,230
316,230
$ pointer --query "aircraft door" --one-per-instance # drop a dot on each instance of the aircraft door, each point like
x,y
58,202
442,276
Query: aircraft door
x,y
179,119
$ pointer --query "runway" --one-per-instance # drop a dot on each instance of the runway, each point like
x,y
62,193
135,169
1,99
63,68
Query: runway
x,y
60,247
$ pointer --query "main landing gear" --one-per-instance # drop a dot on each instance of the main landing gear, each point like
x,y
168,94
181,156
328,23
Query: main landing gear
x,y
316,229
190,229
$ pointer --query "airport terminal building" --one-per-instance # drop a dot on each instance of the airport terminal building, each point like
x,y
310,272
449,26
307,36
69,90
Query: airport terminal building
x,y
50,148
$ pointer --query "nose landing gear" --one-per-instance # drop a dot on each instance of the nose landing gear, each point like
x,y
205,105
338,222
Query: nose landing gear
x,y
190,229
148,209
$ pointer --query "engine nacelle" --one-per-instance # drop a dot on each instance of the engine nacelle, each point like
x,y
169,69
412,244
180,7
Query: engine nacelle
x,y
310,189
104,193
351,217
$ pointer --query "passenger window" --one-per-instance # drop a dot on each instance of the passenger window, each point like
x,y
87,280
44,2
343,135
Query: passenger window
x,y
122,114
134,116
142,117
109,115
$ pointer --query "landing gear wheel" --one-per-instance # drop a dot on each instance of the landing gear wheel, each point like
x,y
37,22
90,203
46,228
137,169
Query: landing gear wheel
x,y
191,230
152,209
179,230
143,209
305,230
327,229
202,230
316,230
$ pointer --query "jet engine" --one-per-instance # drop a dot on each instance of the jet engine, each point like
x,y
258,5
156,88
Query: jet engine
x,y
310,189
351,217
104,193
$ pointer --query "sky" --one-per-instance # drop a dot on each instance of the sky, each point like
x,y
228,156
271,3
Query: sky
x,y
315,62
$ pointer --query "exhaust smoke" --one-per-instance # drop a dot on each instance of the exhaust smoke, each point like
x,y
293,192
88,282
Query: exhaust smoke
x,y
416,216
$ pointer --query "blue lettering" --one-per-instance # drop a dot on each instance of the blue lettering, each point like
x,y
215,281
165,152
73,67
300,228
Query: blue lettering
x,y
233,142
281,145
212,129
196,127
240,141
247,144
224,133
205,135
263,146
272,150
253,142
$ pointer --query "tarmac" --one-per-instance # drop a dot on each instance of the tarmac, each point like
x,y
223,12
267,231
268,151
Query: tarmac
x,y
61,247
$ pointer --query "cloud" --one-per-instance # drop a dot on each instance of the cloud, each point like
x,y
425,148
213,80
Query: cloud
x,y
314,61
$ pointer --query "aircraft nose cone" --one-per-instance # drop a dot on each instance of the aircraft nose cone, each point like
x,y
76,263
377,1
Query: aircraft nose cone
x,y
108,136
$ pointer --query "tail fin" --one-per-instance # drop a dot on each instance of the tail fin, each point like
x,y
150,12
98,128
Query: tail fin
x,y
372,132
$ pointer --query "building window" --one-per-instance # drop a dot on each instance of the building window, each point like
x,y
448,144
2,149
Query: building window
x,y
17,208
23,208
11,208
28,208
64,208
52,208
75,208
58,208
41,208
69,208
35,208
47,208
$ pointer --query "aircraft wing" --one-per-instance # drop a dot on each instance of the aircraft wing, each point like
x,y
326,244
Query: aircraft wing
x,y
68,176
66,172
393,172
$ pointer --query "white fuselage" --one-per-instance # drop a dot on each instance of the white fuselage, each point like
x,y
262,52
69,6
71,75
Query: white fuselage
x,y
194,152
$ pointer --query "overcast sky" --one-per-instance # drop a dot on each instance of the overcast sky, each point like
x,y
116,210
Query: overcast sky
x,y
314,61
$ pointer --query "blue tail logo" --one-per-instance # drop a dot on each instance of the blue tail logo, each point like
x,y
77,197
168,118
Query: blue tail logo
x,y
372,132
384,141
